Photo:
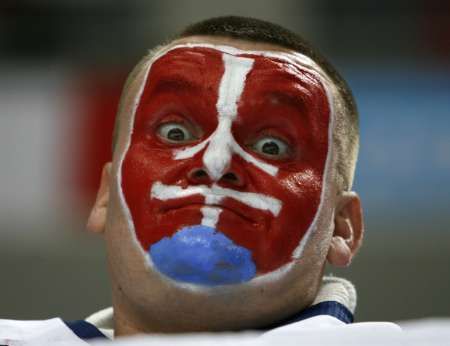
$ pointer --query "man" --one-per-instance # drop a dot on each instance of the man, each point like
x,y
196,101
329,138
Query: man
x,y
229,189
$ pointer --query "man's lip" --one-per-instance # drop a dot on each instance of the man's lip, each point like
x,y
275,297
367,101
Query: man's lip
x,y
247,213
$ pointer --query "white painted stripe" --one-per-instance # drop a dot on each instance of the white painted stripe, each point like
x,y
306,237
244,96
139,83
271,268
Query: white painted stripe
x,y
232,84
264,166
185,153
210,216
217,157
215,194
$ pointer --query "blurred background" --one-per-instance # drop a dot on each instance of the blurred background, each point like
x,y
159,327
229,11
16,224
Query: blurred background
x,y
62,66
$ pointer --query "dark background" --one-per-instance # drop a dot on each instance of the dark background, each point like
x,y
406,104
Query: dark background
x,y
62,65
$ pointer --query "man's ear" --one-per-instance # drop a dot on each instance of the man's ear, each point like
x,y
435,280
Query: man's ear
x,y
97,219
348,229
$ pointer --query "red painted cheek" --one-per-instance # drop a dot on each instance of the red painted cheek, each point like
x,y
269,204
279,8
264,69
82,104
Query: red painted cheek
x,y
300,204
138,176
272,240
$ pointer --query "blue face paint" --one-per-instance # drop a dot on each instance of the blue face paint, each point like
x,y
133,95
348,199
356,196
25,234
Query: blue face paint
x,y
202,255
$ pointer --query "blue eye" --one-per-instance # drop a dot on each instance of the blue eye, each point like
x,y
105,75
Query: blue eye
x,y
175,133
271,147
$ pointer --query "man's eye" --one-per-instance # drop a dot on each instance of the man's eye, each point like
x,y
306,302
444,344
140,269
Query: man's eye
x,y
271,147
175,133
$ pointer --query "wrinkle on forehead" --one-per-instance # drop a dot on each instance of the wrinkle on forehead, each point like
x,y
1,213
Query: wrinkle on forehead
x,y
176,82
180,62
303,76
285,84
240,46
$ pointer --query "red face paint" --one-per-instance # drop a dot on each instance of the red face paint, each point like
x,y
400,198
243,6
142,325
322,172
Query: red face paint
x,y
280,100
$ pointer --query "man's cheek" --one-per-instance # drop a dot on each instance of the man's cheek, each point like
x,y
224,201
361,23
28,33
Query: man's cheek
x,y
141,166
140,169
300,193
300,196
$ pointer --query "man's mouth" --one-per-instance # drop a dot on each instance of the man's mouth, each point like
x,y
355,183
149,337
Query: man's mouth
x,y
216,202
227,206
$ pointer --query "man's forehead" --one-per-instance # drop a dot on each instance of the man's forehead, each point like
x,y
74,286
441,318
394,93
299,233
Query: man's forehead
x,y
237,47
188,62
203,55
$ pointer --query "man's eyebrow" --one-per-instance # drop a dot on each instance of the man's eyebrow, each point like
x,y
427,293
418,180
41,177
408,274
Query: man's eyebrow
x,y
300,98
176,82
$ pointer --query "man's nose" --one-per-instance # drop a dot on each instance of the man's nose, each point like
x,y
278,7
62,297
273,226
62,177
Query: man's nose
x,y
231,177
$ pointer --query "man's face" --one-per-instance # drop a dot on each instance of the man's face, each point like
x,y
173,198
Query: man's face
x,y
223,174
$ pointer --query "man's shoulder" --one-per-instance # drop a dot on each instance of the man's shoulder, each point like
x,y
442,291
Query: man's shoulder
x,y
324,323
44,332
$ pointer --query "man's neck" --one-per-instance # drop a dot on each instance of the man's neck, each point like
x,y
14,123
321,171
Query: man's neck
x,y
125,321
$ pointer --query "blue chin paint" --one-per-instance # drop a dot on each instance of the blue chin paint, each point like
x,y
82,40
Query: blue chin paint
x,y
202,255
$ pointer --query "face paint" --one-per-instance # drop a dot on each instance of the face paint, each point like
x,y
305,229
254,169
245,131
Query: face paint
x,y
232,194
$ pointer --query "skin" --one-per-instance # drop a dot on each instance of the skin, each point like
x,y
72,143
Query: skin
x,y
144,302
